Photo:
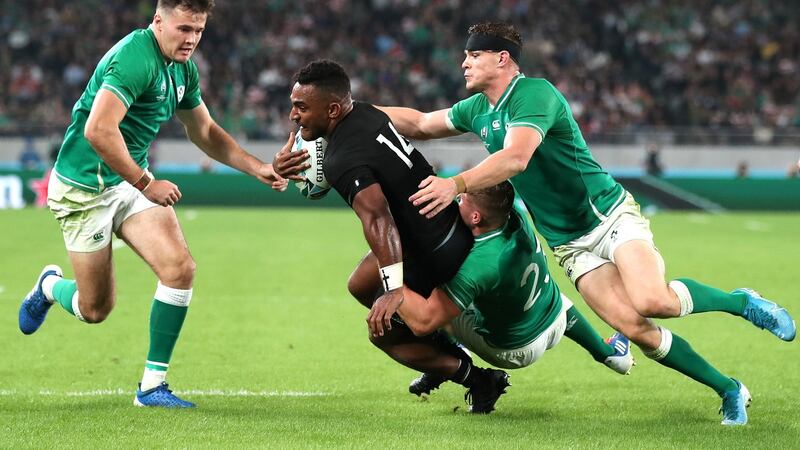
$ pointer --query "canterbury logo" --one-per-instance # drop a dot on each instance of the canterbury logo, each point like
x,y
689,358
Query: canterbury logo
x,y
98,236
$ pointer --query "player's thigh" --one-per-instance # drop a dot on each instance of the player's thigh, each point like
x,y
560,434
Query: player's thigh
x,y
155,235
94,276
642,271
365,281
464,329
605,293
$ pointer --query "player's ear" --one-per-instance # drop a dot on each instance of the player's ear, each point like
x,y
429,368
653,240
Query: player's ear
x,y
505,57
475,217
334,110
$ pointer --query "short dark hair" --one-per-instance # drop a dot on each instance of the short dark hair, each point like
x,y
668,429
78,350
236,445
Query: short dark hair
x,y
325,74
495,203
195,6
503,30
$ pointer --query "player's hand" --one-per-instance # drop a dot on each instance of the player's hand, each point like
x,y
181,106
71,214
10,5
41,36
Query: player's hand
x,y
288,163
380,315
266,174
437,192
162,192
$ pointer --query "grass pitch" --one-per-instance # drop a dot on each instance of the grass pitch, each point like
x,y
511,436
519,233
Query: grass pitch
x,y
275,353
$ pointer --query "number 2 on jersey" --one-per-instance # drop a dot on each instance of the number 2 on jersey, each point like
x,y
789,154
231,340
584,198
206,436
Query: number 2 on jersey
x,y
532,267
407,148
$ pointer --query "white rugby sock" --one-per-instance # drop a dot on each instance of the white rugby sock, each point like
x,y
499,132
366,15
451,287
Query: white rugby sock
x,y
48,284
152,378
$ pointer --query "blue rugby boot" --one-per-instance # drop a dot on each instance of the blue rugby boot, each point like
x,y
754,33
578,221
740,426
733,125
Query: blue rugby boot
x,y
734,405
622,359
35,305
160,397
767,315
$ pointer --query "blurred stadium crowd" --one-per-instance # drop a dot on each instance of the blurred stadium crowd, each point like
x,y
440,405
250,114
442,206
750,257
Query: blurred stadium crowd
x,y
624,66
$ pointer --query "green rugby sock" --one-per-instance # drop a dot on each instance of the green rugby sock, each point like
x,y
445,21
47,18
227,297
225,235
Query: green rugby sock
x,y
582,332
696,298
63,292
166,320
677,354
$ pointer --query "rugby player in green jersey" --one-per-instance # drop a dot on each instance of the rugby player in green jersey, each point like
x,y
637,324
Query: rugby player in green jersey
x,y
101,184
593,225
502,304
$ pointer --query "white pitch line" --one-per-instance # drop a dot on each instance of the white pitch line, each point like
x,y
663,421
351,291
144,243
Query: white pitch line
x,y
755,225
192,392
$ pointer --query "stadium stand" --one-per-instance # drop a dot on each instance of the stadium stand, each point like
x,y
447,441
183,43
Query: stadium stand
x,y
696,70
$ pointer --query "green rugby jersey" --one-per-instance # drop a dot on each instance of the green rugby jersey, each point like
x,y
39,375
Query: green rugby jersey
x,y
565,189
150,87
505,278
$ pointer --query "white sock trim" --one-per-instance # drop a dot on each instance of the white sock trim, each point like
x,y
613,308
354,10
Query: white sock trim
x,y
152,378
663,348
159,364
76,308
684,296
48,284
172,296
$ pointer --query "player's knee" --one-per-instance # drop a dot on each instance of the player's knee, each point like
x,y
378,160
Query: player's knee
x,y
379,341
95,308
655,305
179,273
359,291
641,334
96,314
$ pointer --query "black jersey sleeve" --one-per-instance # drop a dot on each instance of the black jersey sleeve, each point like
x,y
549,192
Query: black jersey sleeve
x,y
353,181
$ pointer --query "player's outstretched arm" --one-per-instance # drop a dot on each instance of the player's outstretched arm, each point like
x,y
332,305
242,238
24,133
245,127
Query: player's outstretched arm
x,y
205,133
381,232
436,193
424,316
102,132
415,124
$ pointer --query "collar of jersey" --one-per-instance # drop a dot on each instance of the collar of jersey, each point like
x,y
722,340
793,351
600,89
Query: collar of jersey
x,y
152,35
491,234
507,92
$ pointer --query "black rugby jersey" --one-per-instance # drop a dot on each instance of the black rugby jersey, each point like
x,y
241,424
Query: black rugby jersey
x,y
364,149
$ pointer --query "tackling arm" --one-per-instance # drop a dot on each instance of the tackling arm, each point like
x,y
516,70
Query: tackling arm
x,y
518,149
415,124
519,145
424,316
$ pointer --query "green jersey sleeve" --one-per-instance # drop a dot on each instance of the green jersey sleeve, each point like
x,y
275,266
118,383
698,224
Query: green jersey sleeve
x,y
192,96
462,113
538,108
126,76
466,285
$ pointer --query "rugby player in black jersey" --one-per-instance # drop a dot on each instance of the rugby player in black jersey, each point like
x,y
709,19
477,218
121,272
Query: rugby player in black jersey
x,y
376,170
